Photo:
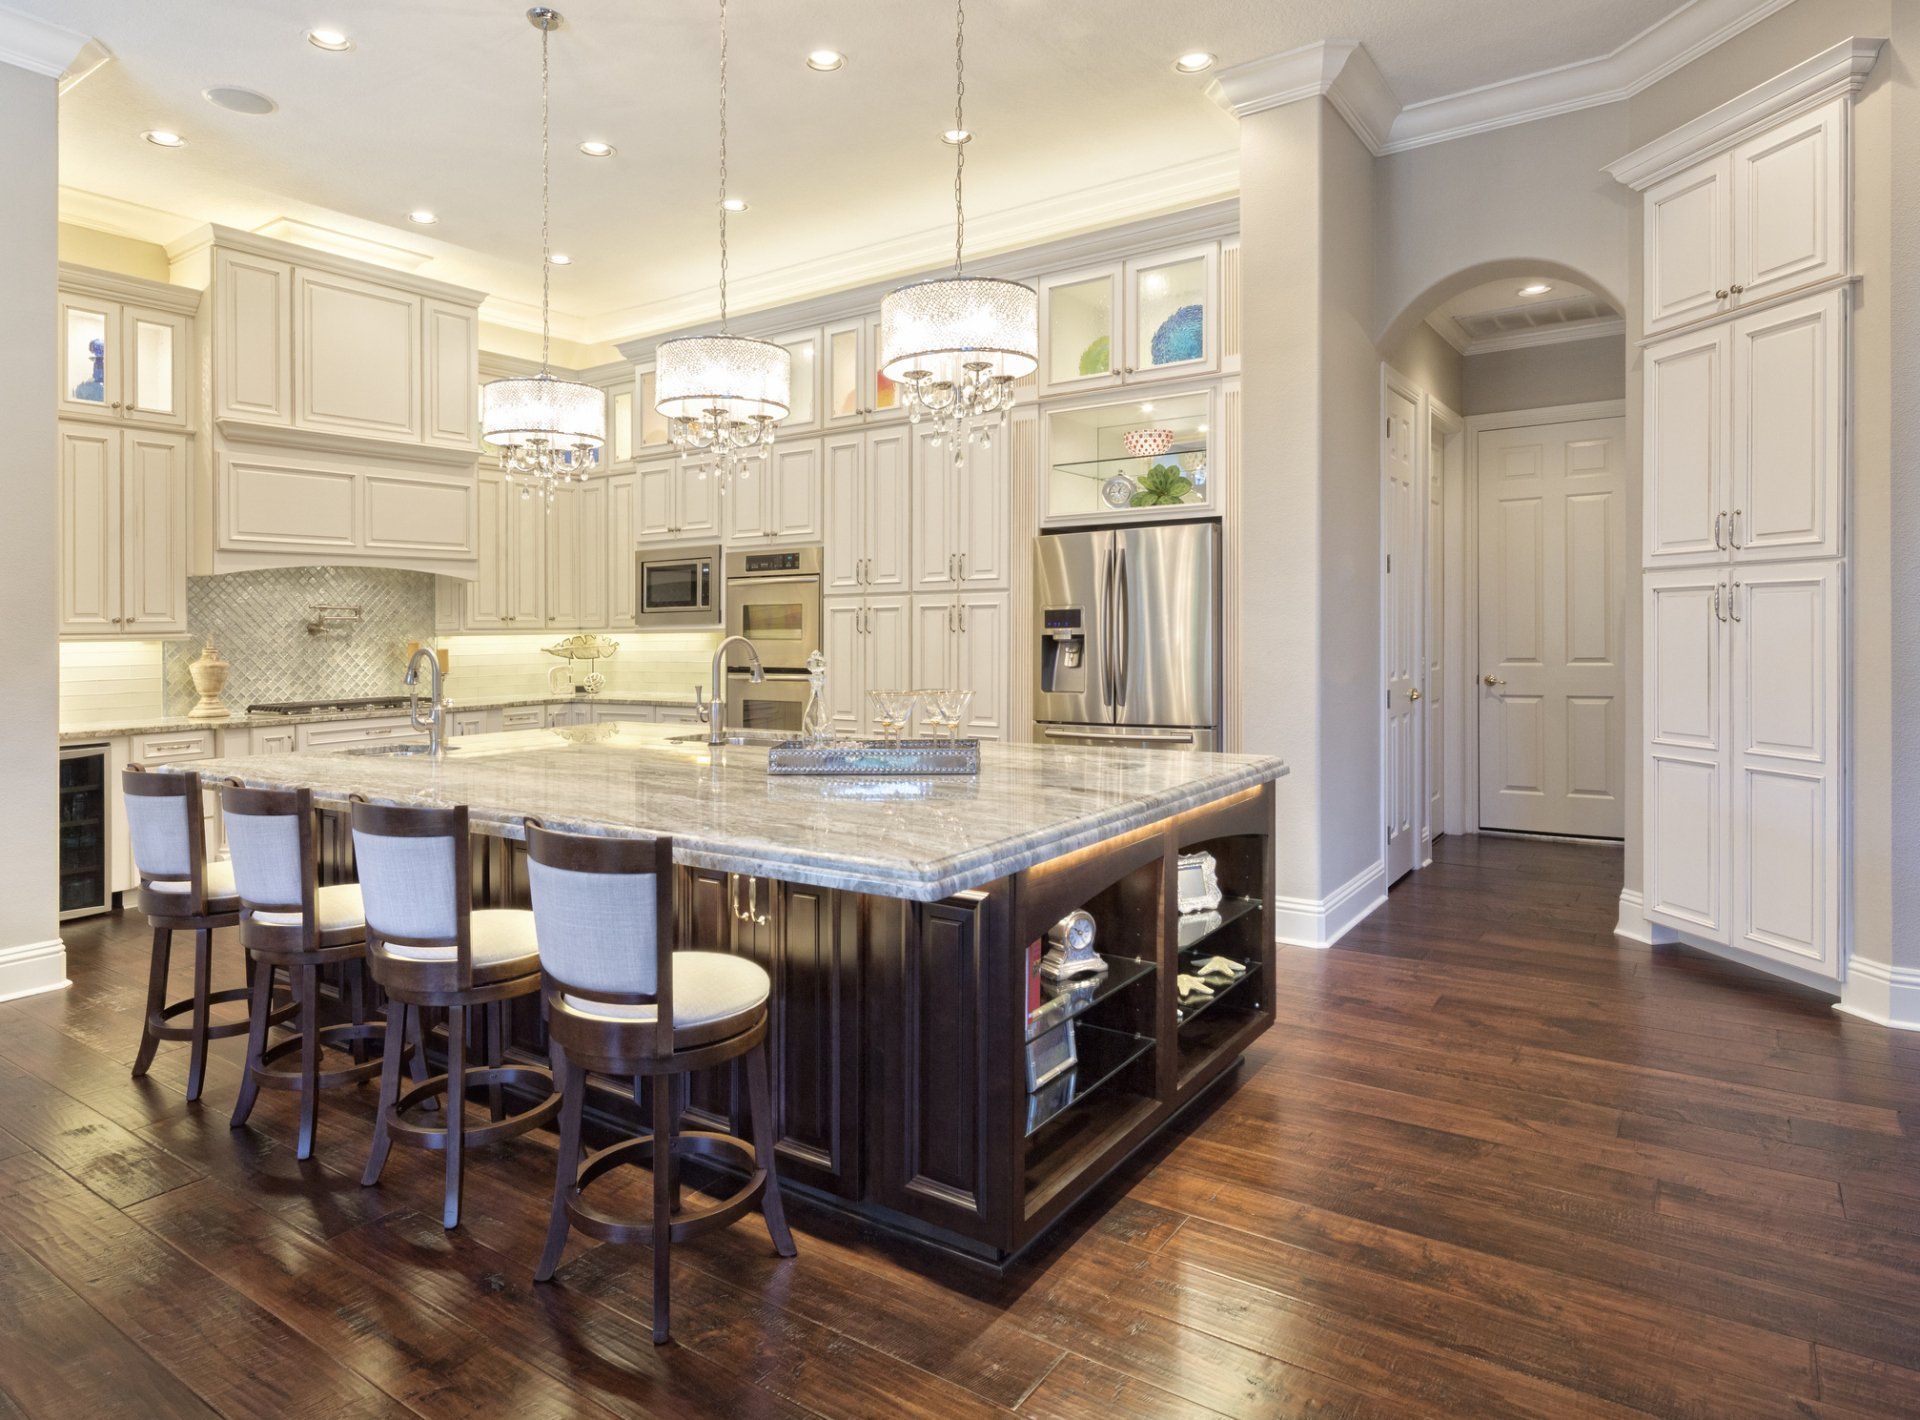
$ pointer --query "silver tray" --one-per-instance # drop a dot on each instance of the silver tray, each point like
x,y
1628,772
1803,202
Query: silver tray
x,y
886,758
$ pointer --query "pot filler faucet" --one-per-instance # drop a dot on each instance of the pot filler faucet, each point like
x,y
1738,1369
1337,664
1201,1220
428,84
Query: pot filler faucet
x,y
436,722
714,711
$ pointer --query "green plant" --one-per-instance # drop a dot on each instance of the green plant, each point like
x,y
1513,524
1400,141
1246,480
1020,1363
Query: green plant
x,y
1161,485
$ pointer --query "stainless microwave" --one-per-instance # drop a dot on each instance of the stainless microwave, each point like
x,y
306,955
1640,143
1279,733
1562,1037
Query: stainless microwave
x,y
678,588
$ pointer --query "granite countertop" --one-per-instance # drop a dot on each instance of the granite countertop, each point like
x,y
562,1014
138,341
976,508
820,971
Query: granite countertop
x,y
79,731
922,839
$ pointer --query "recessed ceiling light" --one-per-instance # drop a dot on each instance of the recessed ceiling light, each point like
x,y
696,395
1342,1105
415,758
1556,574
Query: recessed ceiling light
x,y
1196,62
421,217
1536,288
237,100
825,60
1146,409
956,136
594,148
734,204
164,138
560,258
333,41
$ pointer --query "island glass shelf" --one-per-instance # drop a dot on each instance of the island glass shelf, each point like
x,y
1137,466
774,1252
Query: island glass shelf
x,y
1199,927
1104,1054
1121,973
1188,1015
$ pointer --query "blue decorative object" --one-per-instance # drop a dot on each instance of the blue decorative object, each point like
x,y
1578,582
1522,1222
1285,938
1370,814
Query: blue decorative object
x,y
95,389
1180,337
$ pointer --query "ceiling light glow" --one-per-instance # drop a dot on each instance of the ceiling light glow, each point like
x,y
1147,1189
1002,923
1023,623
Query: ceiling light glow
x,y
1194,62
594,148
734,204
421,217
1536,288
560,258
825,61
956,136
333,41
164,138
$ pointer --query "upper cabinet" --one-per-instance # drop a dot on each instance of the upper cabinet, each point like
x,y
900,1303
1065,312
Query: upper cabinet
x,y
962,515
1765,218
1145,318
803,404
123,531
855,392
780,499
357,366
1125,458
450,340
252,338
124,349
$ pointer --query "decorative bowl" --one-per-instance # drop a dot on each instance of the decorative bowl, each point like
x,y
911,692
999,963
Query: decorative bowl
x,y
1147,443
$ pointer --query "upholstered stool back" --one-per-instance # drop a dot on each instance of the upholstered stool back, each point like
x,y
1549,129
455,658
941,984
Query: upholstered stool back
x,y
416,878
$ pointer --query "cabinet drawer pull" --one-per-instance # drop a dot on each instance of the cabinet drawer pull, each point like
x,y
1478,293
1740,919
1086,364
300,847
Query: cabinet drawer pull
x,y
1718,519
170,746
1733,528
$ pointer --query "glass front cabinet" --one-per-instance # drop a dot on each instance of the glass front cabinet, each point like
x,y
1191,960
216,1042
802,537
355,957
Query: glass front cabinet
x,y
123,360
1141,454
1147,318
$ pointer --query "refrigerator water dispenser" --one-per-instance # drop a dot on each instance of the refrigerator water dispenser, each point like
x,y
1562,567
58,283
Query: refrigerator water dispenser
x,y
1063,651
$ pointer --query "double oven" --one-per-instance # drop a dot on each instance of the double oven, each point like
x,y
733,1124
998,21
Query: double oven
x,y
773,600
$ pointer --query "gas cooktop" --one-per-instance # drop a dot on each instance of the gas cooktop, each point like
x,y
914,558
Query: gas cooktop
x,y
326,706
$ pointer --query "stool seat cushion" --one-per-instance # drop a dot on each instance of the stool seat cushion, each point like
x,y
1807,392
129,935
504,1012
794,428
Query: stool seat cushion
x,y
336,908
709,990
504,945
220,885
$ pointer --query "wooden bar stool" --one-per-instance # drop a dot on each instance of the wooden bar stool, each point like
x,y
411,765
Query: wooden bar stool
x,y
428,947
289,923
620,1001
180,891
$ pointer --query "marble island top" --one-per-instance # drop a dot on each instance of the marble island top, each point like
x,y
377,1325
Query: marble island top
x,y
922,839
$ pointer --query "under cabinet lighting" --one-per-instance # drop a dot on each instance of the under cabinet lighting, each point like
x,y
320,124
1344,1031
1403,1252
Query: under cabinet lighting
x,y
164,138
825,61
1196,62
333,41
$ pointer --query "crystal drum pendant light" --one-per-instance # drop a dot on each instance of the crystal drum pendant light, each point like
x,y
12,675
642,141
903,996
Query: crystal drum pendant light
x,y
956,344
547,430
723,395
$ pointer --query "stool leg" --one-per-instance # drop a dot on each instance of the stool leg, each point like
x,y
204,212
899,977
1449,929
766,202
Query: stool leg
x,y
156,998
678,1088
417,1034
759,1100
662,1204
456,1098
259,1007
572,1081
309,1059
197,1047
496,1056
395,1047
353,976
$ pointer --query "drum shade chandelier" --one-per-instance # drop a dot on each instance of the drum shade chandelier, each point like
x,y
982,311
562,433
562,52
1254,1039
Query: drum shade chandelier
x,y
956,344
723,395
548,431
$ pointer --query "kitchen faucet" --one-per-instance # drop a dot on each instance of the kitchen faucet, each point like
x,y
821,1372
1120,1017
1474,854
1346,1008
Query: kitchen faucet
x,y
436,722
714,711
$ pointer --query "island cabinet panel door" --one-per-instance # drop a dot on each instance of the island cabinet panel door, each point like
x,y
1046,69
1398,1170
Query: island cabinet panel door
x,y
707,924
937,1106
811,949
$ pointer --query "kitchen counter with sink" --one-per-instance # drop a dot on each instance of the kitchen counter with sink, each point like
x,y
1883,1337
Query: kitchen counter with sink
x,y
83,731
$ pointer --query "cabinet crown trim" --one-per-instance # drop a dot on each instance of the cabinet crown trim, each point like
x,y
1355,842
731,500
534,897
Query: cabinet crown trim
x,y
1810,83
79,280
242,431
315,259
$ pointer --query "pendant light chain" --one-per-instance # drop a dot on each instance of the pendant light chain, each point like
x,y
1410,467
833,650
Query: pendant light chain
x,y
723,166
546,210
959,129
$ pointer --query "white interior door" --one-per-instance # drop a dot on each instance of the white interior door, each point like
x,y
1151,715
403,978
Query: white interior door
x,y
1401,514
1433,709
1551,598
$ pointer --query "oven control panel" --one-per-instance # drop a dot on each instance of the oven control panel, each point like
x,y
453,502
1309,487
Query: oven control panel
x,y
773,562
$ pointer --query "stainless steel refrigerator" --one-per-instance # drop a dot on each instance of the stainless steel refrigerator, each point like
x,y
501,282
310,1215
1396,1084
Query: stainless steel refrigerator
x,y
1128,633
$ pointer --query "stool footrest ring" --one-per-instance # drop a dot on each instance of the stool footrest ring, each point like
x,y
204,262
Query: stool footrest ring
x,y
157,1020
596,1222
272,1076
424,1136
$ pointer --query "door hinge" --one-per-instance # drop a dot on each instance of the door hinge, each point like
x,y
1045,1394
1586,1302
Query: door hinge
x,y
1389,564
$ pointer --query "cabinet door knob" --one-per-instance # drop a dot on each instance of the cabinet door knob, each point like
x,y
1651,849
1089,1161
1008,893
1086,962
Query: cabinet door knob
x,y
1721,294
1736,288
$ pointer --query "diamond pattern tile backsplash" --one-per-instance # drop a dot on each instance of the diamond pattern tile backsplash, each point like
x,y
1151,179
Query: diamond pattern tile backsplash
x,y
258,620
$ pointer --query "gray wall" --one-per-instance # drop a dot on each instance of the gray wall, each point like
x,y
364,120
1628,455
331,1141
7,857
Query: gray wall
x,y
1425,358
1540,376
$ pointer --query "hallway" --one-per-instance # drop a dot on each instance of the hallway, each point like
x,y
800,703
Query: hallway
x,y
1492,1161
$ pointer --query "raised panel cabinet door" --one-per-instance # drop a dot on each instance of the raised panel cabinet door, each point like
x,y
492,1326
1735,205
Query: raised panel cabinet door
x,y
623,498
1784,692
593,526
526,522
983,514
88,353
488,594
1080,330
1789,430
252,338
1790,204
1687,233
982,664
746,507
936,560
358,369
1687,432
1686,763
889,508
153,576
793,495
697,501
844,546
654,501
815,1037
450,596
452,340
845,641
889,644
563,559
158,349
933,656
90,511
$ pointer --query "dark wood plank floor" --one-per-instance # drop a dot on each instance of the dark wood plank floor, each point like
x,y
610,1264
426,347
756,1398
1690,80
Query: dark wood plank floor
x,y
1491,1162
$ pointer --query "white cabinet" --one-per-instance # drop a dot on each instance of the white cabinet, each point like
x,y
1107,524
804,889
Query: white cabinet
x,y
803,400
1685,711
123,531
578,576
123,360
679,501
466,722
867,642
1744,428
336,734
578,712
357,364
603,712
450,334
853,389
1145,318
962,515
779,500
623,501
961,642
560,566
252,338
523,717
280,739
1762,220
650,432
869,510
526,532
1087,473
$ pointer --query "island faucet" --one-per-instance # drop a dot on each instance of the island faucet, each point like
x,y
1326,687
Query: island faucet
x,y
714,711
436,722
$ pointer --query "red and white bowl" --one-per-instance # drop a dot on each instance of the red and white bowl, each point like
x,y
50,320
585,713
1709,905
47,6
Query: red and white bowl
x,y
1147,443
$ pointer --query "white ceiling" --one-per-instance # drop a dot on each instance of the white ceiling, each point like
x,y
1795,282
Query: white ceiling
x,y
1081,122
1496,316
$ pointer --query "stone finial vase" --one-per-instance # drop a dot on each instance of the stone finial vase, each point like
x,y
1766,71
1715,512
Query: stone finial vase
x,y
209,678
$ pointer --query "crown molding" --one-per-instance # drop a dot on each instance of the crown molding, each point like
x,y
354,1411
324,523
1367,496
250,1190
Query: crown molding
x,y
1545,335
524,316
47,49
1340,70
1843,69
212,234
330,239
112,286
120,218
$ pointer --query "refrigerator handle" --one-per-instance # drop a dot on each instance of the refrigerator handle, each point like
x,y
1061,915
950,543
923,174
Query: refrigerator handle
x,y
1106,633
1123,618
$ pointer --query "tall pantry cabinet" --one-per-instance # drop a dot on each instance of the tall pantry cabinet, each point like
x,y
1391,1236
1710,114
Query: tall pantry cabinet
x,y
1745,382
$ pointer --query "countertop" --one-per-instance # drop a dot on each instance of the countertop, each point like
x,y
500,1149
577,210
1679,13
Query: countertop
x,y
81,731
922,839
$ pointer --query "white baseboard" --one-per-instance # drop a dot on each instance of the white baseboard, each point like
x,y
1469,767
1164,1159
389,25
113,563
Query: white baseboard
x,y
1633,923
1886,995
28,970
1311,922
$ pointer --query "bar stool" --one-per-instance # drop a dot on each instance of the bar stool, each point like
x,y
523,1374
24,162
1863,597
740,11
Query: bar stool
x,y
288,922
620,1001
428,947
180,891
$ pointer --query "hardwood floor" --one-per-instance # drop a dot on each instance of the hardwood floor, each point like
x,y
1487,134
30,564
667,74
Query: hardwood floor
x,y
1492,1161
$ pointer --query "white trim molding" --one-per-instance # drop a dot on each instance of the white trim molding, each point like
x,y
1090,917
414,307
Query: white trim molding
x,y
1808,84
1634,924
33,968
1570,334
1886,995
1311,922
1341,70
38,47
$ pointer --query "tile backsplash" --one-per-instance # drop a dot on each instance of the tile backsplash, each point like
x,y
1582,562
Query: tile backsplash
x,y
656,663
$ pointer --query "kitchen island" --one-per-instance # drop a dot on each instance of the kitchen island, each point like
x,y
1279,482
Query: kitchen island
x,y
895,918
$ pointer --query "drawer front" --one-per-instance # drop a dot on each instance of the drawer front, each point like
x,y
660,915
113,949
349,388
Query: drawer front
x,y
524,717
173,748
276,741
356,732
642,713
677,715
468,722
